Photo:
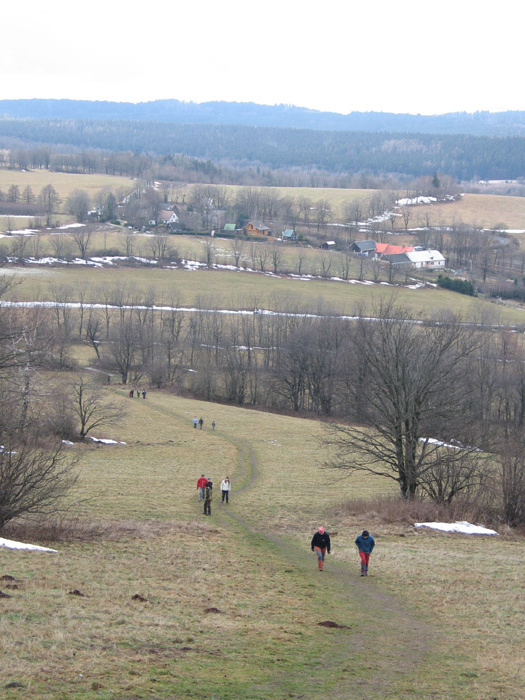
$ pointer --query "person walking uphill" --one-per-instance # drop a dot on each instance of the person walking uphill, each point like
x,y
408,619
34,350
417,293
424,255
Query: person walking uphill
x,y
321,545
365,544
208,497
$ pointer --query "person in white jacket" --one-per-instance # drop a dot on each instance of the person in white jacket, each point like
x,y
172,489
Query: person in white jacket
x,y
226,487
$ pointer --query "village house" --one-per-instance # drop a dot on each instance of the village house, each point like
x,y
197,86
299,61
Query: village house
x,y
168,218
364,248
389,249
328,245
289,235
256,228
429,259
419,259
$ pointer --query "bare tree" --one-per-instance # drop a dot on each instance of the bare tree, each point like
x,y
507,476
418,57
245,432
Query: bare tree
x,y
91,410
82,238
13,194
50,200
277,257
33,480
78,204
237,246
415,414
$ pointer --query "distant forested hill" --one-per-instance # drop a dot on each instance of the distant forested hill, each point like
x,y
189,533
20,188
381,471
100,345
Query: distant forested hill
x,y
282,116
463,157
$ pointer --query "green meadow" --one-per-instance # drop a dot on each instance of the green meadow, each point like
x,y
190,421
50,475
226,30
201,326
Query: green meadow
x,y
245,290
148,598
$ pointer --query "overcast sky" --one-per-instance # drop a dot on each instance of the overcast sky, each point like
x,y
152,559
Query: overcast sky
x,y
337,55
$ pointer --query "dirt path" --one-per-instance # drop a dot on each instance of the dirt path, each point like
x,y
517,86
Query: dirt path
x,y
386,631
385,638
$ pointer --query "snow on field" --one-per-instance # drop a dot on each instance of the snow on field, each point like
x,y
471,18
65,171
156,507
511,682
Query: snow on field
x,y
11,544
106,441
463,527
407,202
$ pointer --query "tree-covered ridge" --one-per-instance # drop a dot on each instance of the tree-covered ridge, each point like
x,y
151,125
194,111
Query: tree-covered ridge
x,y
463,157
510,123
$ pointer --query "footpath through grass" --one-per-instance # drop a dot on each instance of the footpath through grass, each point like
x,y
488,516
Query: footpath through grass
x,y
229,606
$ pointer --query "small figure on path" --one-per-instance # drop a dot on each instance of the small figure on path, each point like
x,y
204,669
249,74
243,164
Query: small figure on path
x,y
226,487
201,423
201,485
195,423
321,545
213,424
143,394
365,544
208,497
131,392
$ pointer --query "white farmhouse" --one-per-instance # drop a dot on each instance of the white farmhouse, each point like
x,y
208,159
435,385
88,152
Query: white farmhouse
x,y
426,259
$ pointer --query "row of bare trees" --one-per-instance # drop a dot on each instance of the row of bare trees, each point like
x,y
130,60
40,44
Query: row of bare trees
x,y
438,407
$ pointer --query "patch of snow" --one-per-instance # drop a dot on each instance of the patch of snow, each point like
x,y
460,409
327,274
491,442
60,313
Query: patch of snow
x,y
11,544
106,441
407,201
463,527
453,445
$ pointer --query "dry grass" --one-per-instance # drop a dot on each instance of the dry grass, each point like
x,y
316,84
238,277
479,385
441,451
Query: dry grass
x,y
214,289
480,210
142,533
64,183
392,510
338,198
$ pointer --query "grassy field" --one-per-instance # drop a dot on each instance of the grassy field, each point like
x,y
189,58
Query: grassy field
x,y
242,290
64,183
230,605
338,198
480,210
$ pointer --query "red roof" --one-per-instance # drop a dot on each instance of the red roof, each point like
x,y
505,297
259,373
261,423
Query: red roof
x,y
388,249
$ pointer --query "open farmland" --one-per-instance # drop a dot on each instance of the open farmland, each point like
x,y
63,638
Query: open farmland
x,y
229,606
212,289
64,183
479,210
476,210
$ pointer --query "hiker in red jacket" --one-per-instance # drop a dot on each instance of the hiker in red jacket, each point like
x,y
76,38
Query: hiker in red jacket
x,y
201,485
321,545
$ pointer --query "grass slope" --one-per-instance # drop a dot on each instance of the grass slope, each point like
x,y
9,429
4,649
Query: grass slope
x,y
232,602
241,290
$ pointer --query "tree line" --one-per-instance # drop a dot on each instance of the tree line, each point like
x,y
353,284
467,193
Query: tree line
x,y
509,123
438,406
405,154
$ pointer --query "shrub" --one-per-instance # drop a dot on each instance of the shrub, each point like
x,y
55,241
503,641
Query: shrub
x,y
460,286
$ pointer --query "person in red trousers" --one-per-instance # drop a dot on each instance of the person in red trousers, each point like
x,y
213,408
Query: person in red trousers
x,y
321,545
365,544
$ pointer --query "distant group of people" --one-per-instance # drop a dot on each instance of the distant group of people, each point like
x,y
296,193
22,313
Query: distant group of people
x,y
200,423
321,545
205,489
137,393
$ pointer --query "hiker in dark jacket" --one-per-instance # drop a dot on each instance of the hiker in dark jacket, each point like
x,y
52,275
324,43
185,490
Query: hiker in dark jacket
x,y
321,545
365,544
208,497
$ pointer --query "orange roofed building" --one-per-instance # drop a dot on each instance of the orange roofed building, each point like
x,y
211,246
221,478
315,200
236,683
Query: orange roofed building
x,y
388,249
